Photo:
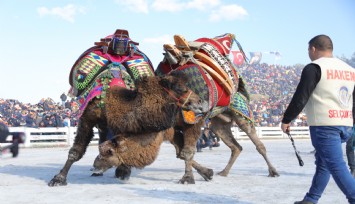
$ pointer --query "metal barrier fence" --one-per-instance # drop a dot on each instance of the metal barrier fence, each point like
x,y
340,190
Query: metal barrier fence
x,y
64,136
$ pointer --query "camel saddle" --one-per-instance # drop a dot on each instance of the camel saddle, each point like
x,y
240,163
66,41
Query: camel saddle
x,y
114,61
213,76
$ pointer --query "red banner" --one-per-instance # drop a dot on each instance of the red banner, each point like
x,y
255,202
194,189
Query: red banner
x,y
238,58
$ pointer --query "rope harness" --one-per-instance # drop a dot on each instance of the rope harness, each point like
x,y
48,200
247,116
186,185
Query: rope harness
x,y
184,97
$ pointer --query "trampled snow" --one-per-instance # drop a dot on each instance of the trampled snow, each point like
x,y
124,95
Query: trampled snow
x,y
24,179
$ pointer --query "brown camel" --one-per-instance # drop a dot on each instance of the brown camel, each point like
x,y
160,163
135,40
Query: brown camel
x,y
232,106
125,155
139,150
152,107
182,57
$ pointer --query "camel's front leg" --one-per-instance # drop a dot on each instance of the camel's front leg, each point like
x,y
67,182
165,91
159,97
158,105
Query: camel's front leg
x,y
104,134
123,172
177,141
222,129
75,154
84,135
188,176
250,130
191,133
205,172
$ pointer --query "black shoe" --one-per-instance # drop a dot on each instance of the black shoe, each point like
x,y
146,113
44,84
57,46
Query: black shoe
x,y
303,202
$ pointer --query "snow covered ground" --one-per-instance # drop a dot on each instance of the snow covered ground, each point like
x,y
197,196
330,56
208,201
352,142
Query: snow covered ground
x,y
24,179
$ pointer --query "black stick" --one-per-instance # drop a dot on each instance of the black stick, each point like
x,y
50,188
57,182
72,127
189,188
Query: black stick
x,y
300,161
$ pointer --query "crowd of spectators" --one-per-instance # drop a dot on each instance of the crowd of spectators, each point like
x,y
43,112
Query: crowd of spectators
x,y
271,88
46,113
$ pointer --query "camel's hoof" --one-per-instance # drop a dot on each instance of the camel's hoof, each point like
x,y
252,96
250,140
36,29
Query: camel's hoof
x,y
97,174
207,175
222,173
187,180
273,173
58,180
123,172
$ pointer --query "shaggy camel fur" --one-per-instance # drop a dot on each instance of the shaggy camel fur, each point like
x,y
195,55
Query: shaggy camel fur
x,y
185,148
128,111
221,125
138,150
131,150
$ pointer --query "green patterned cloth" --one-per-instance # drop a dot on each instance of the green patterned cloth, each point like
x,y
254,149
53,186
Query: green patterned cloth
x,y
240,104
197,83
87,69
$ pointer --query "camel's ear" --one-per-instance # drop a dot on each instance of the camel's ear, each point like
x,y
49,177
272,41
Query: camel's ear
x,y
167,82
173,80
121,146
175,83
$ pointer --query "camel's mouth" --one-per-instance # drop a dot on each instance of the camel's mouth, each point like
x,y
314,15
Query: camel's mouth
x,y
199,109
101,165
97,171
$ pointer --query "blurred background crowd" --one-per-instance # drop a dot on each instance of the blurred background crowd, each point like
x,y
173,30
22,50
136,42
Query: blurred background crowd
x,y
46,113
271,88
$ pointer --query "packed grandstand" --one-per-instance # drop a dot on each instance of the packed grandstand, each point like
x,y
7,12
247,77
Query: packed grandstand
x,y
271,88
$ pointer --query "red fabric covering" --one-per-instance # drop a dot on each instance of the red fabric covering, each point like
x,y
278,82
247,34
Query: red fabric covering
x,y
226,42
117,82
223,97
214,43
164,68
112,58
222,43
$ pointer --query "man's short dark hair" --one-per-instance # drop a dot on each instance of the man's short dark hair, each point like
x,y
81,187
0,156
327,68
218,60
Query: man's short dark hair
x,y
321,42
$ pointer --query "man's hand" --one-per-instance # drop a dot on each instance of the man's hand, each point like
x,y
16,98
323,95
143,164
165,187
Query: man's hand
x,y
285,127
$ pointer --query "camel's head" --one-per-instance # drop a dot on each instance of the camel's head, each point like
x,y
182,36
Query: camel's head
x,y
101,164
134,150
108,157
175,85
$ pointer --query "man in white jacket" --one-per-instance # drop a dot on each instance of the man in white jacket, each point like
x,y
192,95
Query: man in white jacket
x,y
326,91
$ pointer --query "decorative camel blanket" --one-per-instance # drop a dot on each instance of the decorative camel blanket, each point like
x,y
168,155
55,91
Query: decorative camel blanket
x,y
207,77
96,70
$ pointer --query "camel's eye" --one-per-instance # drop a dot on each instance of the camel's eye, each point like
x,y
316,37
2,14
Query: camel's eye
x,y
114,142
109,152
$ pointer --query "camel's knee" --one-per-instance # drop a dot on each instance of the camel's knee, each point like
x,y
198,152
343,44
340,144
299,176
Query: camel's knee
x,y
237,150
75,154
261,148
246,126
187,153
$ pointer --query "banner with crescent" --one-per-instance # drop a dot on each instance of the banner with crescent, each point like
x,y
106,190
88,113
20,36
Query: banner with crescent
x,y
237,58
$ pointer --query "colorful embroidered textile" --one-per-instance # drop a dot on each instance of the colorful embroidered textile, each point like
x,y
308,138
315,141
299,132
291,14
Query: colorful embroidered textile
x,y
139,68
86,70
114,75
223,61
217,110
240,104
115,61
217,49
200,83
